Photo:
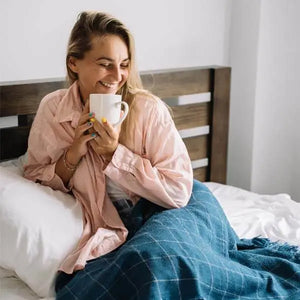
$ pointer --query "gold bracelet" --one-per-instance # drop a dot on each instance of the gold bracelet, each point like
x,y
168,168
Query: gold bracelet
x,y
67,164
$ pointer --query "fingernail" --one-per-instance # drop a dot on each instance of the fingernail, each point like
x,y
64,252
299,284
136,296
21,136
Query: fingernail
x,y
104,120
93,134
92,120
91,114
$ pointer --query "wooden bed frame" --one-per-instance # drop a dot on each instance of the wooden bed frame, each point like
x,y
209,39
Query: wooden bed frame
x,y
199,98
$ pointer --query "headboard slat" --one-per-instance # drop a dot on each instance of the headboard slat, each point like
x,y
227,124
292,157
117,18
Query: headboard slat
x,y
22,99
177,82
192,115
201,174
197,146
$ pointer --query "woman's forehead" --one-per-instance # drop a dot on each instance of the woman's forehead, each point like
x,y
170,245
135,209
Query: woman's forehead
x,y
109,44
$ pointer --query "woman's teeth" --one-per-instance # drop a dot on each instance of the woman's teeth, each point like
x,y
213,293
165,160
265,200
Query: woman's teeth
x,y
109,85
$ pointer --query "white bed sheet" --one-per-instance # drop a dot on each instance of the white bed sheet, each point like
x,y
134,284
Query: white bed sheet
x,y
276,217
12,288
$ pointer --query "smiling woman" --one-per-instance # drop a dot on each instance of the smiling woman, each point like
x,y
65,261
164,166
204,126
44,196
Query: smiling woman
x,y
108,169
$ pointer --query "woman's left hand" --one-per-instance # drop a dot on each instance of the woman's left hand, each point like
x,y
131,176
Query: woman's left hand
x,y
107,139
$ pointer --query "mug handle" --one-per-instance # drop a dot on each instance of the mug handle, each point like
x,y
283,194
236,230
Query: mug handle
x,y
126,109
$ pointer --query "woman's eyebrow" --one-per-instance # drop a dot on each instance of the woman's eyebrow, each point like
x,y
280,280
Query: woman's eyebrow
x,y
103,57
110,59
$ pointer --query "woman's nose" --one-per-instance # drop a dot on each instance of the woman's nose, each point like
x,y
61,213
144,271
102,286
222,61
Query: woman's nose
x,y
117,73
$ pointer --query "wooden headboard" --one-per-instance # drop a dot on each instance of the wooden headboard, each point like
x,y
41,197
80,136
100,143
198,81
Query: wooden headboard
x,y
199,98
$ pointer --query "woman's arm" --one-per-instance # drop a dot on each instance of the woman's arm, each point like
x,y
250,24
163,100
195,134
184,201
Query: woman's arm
x,y
54,148
163,174
64,168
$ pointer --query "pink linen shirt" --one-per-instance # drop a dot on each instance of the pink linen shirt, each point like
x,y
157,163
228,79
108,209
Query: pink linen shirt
x,y
153,164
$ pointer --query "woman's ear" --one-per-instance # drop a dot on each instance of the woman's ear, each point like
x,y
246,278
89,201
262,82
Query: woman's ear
x,y
72,63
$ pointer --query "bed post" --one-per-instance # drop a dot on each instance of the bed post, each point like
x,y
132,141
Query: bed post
x,y
220,123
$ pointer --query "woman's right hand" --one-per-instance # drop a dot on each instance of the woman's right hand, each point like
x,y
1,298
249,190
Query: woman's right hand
x,y
80,144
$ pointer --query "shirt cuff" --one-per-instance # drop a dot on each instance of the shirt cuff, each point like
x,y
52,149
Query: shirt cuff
x,y
50,178
123,159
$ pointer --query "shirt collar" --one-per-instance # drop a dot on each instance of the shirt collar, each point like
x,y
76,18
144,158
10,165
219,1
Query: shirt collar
x,y
70,107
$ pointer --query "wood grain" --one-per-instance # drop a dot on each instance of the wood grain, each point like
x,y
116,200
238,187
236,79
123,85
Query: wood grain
x,y
192,115
201,174
197,146
22,99
176,83
220,125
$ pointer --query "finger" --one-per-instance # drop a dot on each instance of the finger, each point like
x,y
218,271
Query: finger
x,y
91,130
100,130
93,142
95,145
88,137
85,117
80,130
110,130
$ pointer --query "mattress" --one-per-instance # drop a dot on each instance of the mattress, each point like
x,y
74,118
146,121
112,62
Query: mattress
x,y
276,217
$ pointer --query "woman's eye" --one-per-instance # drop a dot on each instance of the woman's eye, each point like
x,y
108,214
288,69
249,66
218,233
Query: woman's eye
x,y
105,65
110,66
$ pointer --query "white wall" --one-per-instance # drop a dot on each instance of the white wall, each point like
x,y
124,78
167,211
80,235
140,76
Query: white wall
x,y
264,140
169,33
245,20
277,109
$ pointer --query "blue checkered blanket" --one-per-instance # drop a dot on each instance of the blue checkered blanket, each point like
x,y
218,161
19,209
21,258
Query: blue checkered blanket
x,y
188,253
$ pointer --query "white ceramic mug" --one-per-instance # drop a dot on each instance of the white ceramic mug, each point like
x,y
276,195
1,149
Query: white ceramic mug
x,y
108,106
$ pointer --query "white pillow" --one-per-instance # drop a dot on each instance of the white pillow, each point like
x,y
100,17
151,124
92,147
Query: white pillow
x,y
38,228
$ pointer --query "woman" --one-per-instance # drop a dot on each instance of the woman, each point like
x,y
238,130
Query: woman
x,y
107,169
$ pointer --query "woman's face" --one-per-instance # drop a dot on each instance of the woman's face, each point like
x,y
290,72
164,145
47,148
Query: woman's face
x,y
104,69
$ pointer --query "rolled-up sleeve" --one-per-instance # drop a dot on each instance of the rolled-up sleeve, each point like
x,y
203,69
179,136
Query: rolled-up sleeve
x,y
163,173
44,174
44,149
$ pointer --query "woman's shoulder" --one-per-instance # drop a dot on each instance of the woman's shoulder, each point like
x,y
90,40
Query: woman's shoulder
x,y
144,97
51,101
148,104
54,97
